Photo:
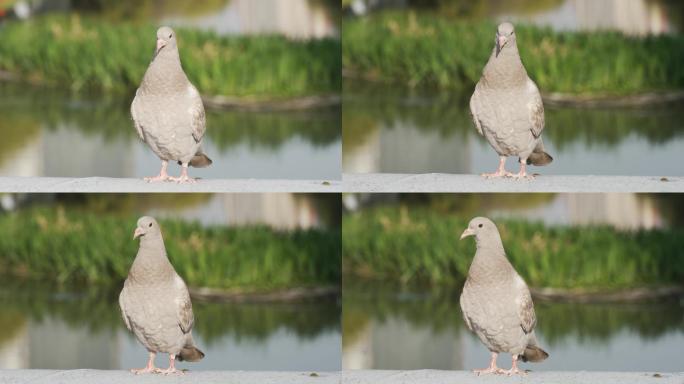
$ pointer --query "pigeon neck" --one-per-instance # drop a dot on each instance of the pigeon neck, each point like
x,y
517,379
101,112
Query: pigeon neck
x,y
492,244
506,69
151,261
490,262
165,73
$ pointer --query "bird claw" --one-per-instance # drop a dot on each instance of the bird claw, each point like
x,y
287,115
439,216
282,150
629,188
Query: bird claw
x,y
514,371
522,176
496,174
183,180
140,371
170,371
158,178
485,371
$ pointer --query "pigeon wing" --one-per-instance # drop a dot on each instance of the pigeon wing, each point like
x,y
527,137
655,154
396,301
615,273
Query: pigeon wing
x,y
525,306
536,109
463,312
474,102
135,114
186,318
122,305
198,117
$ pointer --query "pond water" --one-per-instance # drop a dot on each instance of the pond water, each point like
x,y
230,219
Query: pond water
x,y
52,133
395,329
40,328
391,129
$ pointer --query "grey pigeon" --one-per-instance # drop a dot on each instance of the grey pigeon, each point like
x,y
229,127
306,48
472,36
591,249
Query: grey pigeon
x,y
507,107
168,113
155,303
496,302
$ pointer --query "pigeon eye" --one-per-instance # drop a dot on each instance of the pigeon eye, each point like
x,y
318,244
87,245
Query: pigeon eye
x,y
170,35
479,226
151,225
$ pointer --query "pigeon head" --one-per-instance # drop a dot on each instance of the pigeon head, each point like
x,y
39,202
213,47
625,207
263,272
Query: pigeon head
x,y
166,37
147,226
505,35
482,228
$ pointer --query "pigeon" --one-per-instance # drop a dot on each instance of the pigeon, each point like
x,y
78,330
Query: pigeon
x,y
507,107
496,303
155,303
168,113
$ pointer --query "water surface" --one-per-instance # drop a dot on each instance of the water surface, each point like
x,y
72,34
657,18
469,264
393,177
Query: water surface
x,y
422,329
392,129
71,329
52,133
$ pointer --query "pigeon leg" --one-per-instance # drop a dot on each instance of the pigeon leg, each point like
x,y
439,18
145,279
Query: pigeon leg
x,y
163,176
492,367
172,367
523,171
184,178
149,368
514,368
500,172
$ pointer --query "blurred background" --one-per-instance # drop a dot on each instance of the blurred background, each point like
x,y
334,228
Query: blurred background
x,y
69,70
410,67
404,268
63,260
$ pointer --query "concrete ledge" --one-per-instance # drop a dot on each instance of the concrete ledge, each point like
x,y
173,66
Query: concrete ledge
x,y
441,182
87,376
463,377
109,184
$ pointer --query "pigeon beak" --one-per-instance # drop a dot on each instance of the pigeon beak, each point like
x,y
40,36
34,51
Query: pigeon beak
x,y
160,44
466,233
500,42
138,232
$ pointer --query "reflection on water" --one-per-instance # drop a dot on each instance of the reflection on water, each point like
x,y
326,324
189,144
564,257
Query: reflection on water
x,y
51,133
384,329
395,130
68,330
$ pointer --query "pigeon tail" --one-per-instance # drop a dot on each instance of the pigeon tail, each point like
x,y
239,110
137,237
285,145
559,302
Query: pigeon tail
x,y
200,160
533,354
539,156
190,353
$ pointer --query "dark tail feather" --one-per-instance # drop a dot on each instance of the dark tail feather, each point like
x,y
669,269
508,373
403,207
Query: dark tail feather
x,y
534,354
190,354
200,160
539,158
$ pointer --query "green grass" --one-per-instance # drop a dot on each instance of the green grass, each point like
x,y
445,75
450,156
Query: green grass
x,y
415,245
421,49
84,53
72,247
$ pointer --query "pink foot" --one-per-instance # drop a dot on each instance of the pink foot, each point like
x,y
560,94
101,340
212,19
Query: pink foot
x,y
514,371
499,173
523,172
485,371
183,179
162,176
522,176
492,366
514,368
171,371
158,178
140,371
